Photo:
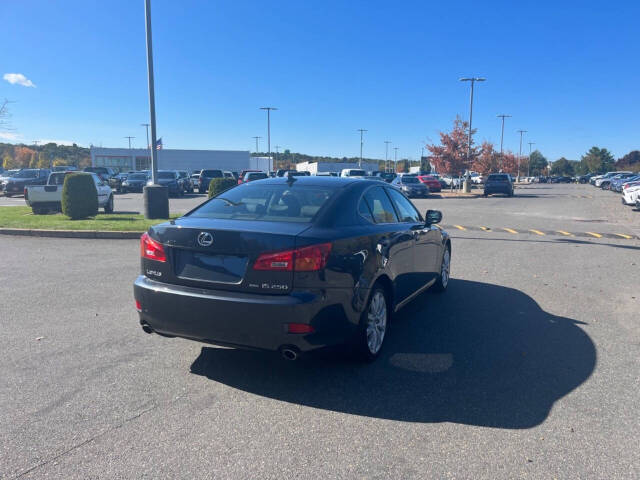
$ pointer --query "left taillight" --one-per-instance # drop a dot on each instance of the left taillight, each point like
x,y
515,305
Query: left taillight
x,y
305,259
151,249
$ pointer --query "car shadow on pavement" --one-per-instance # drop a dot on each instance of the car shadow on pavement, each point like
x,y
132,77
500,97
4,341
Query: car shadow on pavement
x,y
480,354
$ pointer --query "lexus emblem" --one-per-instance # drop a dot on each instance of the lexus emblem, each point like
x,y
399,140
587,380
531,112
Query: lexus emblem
x,y
205,239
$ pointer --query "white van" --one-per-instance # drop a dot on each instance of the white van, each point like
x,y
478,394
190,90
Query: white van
x,y
352,172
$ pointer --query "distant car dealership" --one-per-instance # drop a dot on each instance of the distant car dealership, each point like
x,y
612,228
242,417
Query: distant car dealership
x,y
125,159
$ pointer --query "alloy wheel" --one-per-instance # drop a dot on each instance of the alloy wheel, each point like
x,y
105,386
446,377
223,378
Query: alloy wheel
x,y
376,322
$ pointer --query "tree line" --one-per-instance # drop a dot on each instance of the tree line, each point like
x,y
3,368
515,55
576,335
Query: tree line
x,y
453,156
43,156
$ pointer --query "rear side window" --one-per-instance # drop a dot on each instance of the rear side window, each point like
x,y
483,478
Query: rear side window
x,y
380,205
406,210
274,203
363,209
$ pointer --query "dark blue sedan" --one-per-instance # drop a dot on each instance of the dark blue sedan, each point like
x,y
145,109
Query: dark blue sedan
x,y
291,265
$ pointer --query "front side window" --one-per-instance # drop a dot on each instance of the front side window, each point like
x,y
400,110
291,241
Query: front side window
x,y
406,210
380,205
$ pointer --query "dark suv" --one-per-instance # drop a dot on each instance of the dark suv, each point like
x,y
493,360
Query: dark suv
x,y
498,183
205,179
15,184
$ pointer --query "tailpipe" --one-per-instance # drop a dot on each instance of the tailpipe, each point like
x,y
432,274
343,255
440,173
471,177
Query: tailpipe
x,y
289,353
146,328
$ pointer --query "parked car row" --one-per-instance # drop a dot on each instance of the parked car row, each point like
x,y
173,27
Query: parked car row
x,y
625,183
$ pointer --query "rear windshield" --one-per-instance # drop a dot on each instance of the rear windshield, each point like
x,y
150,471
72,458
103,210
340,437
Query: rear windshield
x,y
212,173
166,175
497,178
273,203
257,175
26,174
410,180
137,176
356,173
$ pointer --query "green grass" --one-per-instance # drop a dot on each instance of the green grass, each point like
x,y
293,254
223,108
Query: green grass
x,y
22,217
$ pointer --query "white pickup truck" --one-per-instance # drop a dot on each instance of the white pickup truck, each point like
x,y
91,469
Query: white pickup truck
x,y
45,198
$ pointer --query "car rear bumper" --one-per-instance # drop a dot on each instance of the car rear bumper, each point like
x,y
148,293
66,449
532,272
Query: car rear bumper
x,y
245,320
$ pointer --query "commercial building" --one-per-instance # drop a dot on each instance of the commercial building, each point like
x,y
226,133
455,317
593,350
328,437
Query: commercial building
x,y
127,159
315,167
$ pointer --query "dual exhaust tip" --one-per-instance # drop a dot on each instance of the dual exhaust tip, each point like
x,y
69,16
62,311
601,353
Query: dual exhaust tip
x,y
289,353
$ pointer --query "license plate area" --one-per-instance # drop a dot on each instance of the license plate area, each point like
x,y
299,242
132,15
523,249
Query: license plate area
x,y
202,267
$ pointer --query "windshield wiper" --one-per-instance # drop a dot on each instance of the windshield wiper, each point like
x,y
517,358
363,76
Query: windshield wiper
x,y
229,202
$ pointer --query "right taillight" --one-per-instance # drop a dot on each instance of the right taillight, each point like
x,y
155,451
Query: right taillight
x,y
305,259
151,249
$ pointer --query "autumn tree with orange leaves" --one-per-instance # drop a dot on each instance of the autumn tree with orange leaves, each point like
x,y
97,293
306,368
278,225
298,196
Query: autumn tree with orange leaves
x,y
451,155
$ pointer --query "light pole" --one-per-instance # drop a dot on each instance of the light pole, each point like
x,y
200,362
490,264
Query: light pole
x,y
395,159
361,130
520,154
268,109
529,162
156,197
386,154
503,116
129,141
256,139
473,80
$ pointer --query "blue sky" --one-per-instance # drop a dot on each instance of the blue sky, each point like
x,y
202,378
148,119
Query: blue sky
x,y
568,72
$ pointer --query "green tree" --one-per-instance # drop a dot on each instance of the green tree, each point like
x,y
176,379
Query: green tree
x,y
562,166
597,160
631,161
537,163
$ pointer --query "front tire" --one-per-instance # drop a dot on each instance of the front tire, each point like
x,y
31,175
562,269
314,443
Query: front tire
x,y
108,207
373,326
442,281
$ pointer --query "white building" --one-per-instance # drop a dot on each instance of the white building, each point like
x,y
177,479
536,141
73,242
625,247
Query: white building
x,y
315,167
125,159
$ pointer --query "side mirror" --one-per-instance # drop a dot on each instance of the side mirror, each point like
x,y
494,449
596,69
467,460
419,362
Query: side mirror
x,y
433,216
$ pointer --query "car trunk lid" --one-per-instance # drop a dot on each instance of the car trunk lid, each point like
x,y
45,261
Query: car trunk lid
x,y
220,254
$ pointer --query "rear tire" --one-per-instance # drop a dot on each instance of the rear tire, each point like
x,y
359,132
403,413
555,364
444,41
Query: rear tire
x,y
374,325
442,281
108,207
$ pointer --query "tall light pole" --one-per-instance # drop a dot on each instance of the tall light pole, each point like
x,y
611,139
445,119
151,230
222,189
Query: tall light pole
x,y
503,116
395,159
256,139
129,141
268,109
156,197
529,162
473,80
386,154
361,130
520,154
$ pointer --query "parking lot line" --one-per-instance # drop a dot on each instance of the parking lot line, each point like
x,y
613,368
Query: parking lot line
x,y
562,232
628,237
459,227
593,234
537,232
510,230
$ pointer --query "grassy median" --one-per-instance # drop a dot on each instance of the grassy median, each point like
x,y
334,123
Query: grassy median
x,y
22,217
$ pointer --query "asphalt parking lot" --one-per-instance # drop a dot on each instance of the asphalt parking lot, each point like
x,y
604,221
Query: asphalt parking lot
x,y
528,366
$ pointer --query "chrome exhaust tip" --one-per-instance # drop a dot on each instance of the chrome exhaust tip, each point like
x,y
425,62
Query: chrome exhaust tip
x,y
289,354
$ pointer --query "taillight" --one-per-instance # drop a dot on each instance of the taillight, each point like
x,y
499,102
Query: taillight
x,y
151,249
138,306
299,328
306,259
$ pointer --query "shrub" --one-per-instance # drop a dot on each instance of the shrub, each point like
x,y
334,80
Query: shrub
x,y
79,196
219,185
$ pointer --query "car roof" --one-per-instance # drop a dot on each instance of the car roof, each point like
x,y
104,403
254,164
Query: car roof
x,y
318,181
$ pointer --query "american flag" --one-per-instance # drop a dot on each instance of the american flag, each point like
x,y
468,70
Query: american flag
x,y
159,144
